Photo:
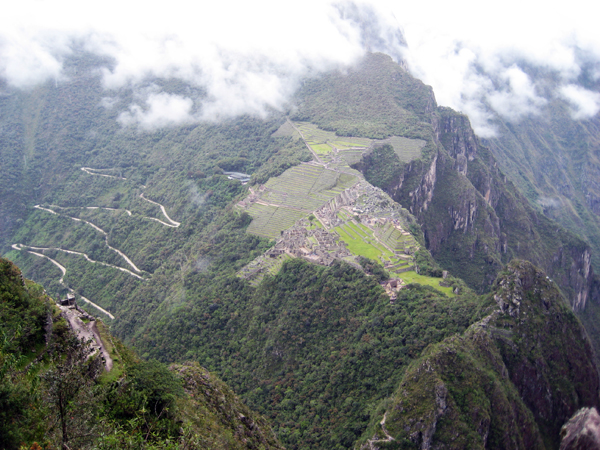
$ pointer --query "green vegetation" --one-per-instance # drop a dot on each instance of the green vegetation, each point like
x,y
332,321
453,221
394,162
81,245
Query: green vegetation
x,y
470,390
347,104
316,349
311,348
53,393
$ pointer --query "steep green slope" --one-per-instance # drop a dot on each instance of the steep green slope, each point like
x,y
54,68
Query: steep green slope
x,y
510,381
313,348
560,174
561,166
54,394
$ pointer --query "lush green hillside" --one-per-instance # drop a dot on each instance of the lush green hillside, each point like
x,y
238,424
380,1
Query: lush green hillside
x,y
510,381
312,348
53,394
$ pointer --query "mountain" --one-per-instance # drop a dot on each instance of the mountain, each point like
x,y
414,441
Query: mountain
x,y
510,381
474,219
309,259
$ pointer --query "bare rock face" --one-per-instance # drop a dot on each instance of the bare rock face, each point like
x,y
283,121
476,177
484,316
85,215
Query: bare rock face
x,y
582,431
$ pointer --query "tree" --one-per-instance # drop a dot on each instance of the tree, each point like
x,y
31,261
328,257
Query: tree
x,y
72,393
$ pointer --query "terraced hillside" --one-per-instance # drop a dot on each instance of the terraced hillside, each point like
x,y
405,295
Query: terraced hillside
x,y
340,151
323,215
301,190
296,193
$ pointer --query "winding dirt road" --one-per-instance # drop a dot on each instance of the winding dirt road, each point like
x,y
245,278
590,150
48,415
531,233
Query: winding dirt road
x,y
73,252
174,223
21,247
61,280
91,172
97,228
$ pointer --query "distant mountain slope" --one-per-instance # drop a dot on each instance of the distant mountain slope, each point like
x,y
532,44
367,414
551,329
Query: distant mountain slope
x,y
473,217
554,160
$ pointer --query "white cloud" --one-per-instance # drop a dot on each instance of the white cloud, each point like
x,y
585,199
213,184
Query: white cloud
x,y
585,103
160,110
518,98
249,56
476,54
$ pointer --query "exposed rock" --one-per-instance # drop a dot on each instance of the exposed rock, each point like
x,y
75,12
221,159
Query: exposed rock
x,y
474,220
582,431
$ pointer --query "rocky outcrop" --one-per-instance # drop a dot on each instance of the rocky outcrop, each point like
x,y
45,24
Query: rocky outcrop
x,y
510,381
582,431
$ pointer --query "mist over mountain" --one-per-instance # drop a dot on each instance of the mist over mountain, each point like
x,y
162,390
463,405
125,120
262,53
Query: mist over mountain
x,y
351,212
249,59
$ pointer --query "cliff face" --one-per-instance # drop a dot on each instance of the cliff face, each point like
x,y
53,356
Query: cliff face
x,y
474,219
562,170
510,381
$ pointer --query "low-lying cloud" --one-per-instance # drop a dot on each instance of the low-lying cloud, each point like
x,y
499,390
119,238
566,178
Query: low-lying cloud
x,y
249,57
160,110
483,59
584,103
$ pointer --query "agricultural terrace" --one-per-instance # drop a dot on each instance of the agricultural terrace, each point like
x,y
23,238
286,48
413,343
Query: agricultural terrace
x,y
331,148
357,219
293,195
326,143
390,246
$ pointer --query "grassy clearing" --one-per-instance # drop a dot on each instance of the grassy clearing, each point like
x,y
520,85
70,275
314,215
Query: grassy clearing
x,y
315,223
322,149
357,246
414,277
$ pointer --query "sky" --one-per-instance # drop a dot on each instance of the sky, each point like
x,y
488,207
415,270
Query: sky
x,y
250,57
